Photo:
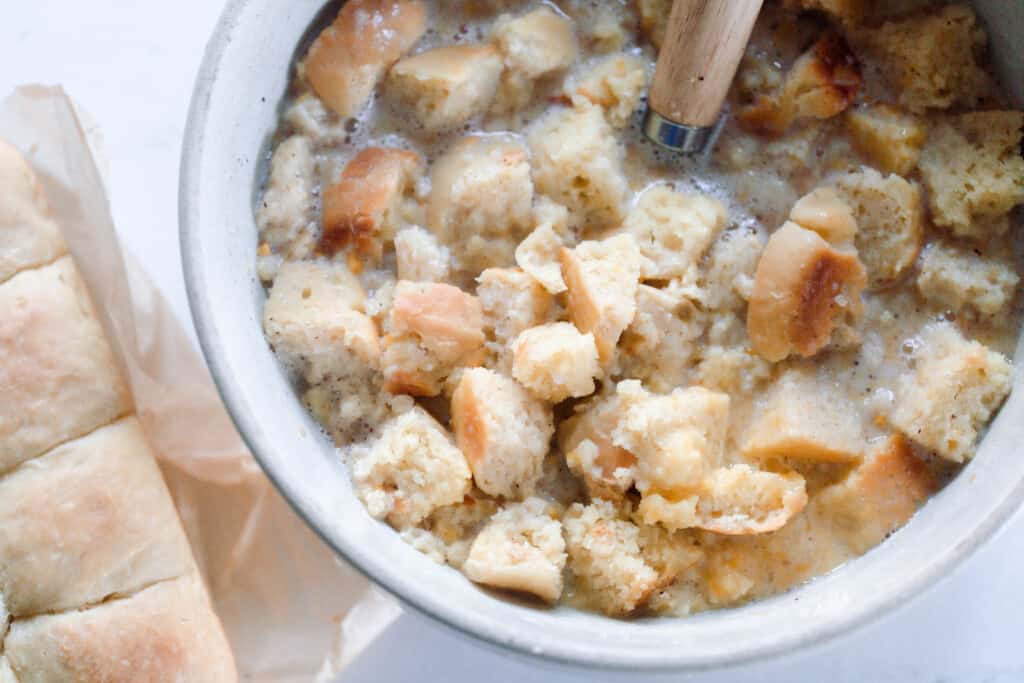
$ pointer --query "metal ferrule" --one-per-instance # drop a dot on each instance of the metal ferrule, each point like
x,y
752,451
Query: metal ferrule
x,y
676,136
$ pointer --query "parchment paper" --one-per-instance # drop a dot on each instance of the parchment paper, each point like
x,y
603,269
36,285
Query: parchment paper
x,y
292,610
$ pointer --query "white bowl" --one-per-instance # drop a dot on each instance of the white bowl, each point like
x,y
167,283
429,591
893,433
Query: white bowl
x,y
234,112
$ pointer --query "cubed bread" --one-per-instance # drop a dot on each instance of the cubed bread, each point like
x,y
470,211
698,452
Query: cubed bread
x,y
737,500
556,362
659,345
315,322
605,557
821,84
481,200
412,469
114,529
346,61
59,377
959,279
513,302
727,279
577,161
890,222
677,438
607,470
930,58
443,88
287,209
654,19
362,210
954,389
803,417
824,212
539,256
804,291
521,549
536,44
433,329
602,280
879,496
849,12
607,29
503,431
29,237
615,83
673,230
890,138
974,172
420,257
166,632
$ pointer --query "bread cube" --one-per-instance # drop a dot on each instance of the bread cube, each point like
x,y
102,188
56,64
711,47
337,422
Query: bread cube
x,y
824,212
727,279
804,291
974,172
433,329
803,418
556,362
673,230
362,210
615,83
165,632
607,29
443,88
890,222
287,208
677,438
29,237
889,137
962,280
585,439
605,556
879,496
350,56
503,431
59,378
849,12
112,531
481,200
602,280
521,549
930,58
539,256
740,500
536,44
821,84
420,257
513,302
956,386
659,345
314,321
735,501
654,19
412,469
577,161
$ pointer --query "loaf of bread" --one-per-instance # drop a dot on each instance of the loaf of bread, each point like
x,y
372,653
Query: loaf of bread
x,y
97,580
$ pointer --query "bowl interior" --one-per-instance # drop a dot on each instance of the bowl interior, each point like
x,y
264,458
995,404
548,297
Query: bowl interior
x,y
234,112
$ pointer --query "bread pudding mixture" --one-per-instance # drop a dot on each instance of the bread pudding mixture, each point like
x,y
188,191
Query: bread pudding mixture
x,y
579,369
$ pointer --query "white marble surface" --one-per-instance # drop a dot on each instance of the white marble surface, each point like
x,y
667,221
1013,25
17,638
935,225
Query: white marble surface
x,y
130,65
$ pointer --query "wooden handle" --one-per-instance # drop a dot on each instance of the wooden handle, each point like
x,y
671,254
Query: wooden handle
x,y
699,57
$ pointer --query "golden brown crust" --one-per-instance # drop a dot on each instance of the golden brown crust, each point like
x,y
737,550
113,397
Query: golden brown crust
x,y
349,57
355,207
803,290
822,83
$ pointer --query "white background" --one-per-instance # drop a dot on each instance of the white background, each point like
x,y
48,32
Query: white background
x,y
130,65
